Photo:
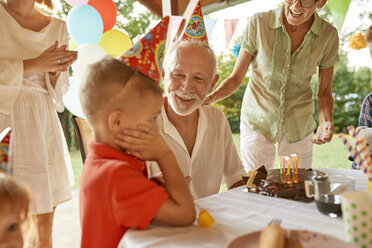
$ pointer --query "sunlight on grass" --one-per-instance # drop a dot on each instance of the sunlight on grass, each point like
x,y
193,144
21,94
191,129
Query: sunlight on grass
x,y
330,155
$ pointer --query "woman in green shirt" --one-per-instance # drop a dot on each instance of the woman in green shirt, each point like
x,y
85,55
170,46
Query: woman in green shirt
x,y
284,47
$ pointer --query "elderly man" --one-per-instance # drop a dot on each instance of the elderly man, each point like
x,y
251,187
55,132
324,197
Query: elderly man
x,y
199,135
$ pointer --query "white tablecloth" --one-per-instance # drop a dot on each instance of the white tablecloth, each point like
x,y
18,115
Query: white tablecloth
x,y
236,213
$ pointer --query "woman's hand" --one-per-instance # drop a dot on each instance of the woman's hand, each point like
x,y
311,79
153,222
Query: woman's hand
x,y
324,133
53,59
143,142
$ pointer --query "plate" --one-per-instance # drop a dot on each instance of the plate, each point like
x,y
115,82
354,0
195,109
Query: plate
x,y
308,239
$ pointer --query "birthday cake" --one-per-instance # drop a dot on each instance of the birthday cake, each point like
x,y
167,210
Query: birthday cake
x,y
275,183
289,185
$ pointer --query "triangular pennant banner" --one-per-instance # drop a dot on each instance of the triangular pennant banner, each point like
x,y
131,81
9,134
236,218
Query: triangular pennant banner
x,y
230,26
339,9
210,25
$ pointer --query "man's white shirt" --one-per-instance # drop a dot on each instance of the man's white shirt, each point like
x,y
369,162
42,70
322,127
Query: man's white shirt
x,y
214,159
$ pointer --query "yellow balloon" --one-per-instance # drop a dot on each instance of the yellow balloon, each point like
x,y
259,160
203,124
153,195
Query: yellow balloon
x,y
115,42
72,45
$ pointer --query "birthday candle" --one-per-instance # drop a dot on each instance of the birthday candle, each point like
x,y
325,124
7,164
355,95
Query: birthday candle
x,y
280,165
289,165
283,164
296,161
293,162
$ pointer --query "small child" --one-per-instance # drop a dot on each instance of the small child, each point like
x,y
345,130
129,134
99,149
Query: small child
x,y
115,193
17,226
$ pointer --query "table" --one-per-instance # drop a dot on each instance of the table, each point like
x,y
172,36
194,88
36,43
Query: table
x,y
236,213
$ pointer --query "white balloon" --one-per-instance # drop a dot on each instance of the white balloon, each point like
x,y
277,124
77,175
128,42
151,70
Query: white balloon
x,y
72,100
87,54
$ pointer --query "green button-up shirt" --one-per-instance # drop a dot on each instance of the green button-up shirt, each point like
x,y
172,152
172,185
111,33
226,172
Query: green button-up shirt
x,y
279,94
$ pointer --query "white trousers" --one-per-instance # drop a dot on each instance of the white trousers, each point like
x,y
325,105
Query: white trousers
x,y
256,150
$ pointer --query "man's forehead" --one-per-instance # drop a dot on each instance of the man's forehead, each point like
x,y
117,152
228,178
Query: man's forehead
x,y
192,55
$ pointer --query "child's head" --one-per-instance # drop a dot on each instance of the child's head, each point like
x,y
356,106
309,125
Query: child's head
x,y
16,223
115,97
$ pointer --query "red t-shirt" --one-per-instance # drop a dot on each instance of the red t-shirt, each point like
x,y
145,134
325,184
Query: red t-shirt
x,y
115,195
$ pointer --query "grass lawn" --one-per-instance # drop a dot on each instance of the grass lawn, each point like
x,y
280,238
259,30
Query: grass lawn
x,y
330,155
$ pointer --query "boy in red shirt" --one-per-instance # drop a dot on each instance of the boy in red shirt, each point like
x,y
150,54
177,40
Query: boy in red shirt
x,y
115,193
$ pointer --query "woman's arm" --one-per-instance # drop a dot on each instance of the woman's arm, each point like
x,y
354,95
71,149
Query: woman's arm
x,y
325,107
233,82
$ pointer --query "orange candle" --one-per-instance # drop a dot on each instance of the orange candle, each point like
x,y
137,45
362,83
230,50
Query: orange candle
x,y
289,166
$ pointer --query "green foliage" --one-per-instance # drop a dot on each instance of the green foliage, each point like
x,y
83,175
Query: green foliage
x,y
230,106
134,25
349,88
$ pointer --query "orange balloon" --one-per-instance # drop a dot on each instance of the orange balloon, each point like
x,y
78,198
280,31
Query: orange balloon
x,y
107,10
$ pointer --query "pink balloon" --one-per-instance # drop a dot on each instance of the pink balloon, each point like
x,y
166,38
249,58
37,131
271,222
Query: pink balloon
x,y
77,2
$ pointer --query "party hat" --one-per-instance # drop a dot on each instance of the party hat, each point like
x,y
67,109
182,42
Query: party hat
x,y
195,28
5,151
147,54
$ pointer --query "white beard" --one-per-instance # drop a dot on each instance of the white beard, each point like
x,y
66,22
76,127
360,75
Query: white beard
x,y
179,107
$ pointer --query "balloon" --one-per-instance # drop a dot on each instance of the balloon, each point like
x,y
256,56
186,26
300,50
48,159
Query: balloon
x,y
88,54
72,45
115,42
77,2
72,100
107,10
84,24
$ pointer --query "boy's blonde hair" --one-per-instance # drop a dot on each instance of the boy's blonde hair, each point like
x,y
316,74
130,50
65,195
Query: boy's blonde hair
x,y
109,84
15,194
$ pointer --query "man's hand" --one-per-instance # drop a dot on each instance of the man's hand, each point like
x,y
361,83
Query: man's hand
x,y
324,133
143,142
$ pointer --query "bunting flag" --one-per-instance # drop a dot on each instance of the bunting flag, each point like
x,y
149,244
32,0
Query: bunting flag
x,y
147,54
173,27
210,25
338,10
230,26
195,28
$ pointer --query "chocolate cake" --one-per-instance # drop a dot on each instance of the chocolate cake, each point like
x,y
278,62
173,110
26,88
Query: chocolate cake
x,y
285,186
279,185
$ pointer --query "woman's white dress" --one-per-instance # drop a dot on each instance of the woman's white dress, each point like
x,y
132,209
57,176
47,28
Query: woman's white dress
x,y
28,104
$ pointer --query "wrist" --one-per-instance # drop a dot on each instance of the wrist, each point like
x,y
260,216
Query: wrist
x,y
165,155
27,66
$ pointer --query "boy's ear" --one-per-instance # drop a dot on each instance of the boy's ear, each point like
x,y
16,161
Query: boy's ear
x,y
116,120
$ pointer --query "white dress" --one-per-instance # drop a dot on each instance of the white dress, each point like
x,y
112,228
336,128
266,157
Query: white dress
x,y
28,104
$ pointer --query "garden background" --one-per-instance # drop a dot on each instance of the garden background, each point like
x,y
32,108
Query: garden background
x,y
350,84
